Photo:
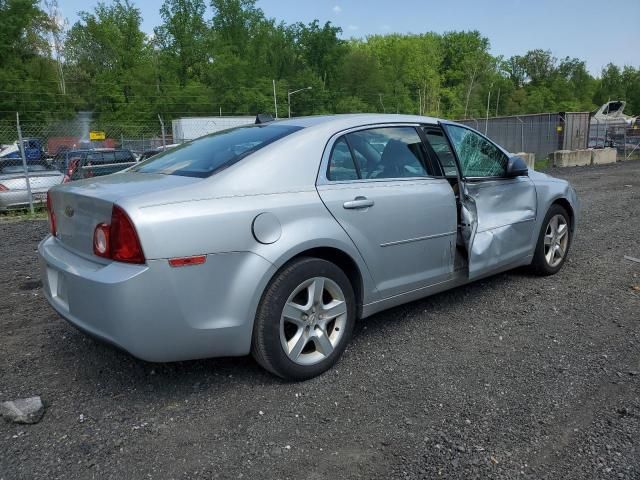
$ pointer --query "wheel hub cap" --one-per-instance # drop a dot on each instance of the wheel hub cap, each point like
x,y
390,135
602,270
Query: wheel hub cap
x,y
556,240
313,321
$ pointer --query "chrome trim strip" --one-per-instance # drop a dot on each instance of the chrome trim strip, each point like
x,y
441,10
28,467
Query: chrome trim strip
x,y
417,239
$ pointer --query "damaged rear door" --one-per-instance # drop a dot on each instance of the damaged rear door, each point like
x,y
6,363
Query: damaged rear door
x,y
498,213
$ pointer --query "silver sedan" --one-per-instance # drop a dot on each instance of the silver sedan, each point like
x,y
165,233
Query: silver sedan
x,y
14,193
273,239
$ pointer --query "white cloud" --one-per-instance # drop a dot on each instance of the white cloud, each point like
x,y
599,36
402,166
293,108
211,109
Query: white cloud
x,y
337,9
353,28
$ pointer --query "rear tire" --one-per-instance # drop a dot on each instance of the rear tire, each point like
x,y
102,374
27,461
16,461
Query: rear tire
x,y
553,243
305,319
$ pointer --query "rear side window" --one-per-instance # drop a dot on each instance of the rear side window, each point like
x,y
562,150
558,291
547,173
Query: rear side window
x,y
94,157
108,157
123,156
207,155
341,165
379,153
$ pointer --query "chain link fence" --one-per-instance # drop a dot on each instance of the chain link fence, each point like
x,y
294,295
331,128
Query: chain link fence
x,y
541,134
36,156
625,139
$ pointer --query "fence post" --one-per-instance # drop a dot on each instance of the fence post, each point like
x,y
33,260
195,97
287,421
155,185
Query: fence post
x,y
162,129
24,163
521,134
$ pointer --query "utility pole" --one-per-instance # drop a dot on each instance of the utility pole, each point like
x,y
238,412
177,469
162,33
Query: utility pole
x,y
275,99
486,121
24,162
164,146
384,110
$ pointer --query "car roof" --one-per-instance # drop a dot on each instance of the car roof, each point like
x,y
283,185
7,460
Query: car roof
x,y
350,120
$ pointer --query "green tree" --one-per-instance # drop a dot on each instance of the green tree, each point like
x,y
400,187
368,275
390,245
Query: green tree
x,y
27,71
182,37
109,60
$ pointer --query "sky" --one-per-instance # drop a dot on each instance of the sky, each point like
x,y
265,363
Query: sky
x,y
596,31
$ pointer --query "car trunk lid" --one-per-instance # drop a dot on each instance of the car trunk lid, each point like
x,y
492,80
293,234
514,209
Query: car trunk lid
x,y
80,206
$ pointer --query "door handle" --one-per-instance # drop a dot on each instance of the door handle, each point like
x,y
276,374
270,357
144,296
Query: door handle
x,y
358,202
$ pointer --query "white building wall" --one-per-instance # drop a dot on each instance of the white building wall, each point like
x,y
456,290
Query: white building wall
x,y
185,129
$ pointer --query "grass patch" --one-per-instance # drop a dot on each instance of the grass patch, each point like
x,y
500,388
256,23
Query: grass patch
x,y
542,164
39,213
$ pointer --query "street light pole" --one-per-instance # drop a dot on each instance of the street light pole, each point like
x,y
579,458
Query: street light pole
x,y
292,93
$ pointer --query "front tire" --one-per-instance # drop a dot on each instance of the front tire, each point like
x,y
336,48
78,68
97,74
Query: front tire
x,y
554,242
305,319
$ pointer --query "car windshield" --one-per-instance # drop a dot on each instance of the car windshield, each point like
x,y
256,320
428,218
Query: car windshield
x,y
19,169
205,156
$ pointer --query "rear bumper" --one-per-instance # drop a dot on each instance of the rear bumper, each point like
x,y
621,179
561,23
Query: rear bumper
x,y
156,312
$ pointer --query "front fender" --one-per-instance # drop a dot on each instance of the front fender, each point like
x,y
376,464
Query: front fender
x,y
553,191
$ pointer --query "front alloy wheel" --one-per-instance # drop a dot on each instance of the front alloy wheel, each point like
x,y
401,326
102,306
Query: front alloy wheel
x,y
556,240
553,243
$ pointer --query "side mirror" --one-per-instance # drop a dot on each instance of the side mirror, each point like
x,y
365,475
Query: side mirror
x,y
516,167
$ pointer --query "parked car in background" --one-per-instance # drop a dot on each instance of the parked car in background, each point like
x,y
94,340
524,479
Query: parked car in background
x,y
13,184
154,151
272,239
78,164
33,151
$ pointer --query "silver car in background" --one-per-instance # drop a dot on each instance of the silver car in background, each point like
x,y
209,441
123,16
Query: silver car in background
x,y
272,239
13,185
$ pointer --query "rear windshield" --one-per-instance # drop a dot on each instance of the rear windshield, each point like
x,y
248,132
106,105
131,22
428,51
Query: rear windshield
x,y
204,156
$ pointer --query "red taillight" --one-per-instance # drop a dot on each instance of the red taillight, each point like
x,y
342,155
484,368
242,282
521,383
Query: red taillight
x,y
52,215
125,244
3,188
119,240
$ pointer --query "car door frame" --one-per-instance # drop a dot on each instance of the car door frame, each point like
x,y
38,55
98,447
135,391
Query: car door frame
x,y
479,257
322,181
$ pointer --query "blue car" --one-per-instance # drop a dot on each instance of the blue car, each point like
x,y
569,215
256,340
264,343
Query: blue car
x,y
33,151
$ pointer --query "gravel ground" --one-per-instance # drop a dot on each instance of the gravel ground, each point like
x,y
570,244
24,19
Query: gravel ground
x,y
511,377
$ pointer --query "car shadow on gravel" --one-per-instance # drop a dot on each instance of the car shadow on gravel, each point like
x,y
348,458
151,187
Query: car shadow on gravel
x,y
440,302
102,360
95,365
91,361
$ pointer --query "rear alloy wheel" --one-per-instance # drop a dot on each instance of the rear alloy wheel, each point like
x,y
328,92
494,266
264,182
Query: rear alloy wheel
x,y
313,321
305,319
553,242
